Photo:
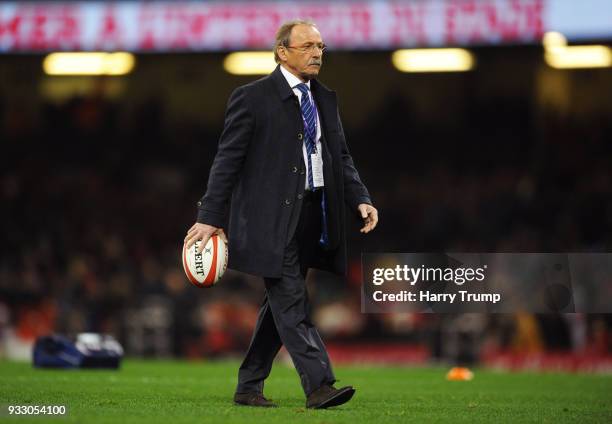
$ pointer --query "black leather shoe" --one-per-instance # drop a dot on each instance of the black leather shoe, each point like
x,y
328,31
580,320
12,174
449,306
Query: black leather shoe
x,y
253,399
327,396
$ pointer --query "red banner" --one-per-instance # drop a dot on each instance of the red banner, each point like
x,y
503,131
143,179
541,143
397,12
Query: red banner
x,y
191,26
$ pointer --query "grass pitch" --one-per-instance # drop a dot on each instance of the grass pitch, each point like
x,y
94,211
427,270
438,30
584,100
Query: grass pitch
x,y
201,392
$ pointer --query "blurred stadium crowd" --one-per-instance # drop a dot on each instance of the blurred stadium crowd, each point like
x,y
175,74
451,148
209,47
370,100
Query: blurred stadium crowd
x,y
97,197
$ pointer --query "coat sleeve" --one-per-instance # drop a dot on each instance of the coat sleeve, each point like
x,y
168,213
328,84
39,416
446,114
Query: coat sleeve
x,y
226,167
355,192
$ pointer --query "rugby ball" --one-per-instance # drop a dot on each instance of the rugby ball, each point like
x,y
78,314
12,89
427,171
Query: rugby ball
x,y
206,268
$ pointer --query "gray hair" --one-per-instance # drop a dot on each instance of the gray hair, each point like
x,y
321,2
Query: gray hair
x,y
284,33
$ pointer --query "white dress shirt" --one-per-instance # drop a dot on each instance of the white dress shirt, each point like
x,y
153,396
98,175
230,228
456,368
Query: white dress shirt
x,y
293,81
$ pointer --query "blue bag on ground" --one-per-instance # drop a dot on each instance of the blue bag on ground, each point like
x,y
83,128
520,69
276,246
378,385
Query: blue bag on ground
x,y
90,350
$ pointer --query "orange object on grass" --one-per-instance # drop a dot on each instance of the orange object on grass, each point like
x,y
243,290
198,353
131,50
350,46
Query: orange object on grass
x,y
459,374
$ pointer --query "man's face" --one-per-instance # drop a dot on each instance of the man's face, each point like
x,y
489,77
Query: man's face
x,y
303,57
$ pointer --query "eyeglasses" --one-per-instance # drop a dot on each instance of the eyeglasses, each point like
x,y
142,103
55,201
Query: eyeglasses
x,y
309,48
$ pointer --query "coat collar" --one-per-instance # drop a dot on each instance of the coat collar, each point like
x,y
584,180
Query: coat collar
x,y
285,92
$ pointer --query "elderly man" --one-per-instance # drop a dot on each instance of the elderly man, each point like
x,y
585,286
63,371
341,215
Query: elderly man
x,y
283,164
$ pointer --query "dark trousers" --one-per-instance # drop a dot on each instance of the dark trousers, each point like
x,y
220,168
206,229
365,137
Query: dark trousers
x,y
284,317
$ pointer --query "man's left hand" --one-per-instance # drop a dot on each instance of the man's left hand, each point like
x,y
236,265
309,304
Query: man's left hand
x,y
369,215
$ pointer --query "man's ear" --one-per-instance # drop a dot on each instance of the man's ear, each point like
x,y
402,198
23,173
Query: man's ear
x,y
282,53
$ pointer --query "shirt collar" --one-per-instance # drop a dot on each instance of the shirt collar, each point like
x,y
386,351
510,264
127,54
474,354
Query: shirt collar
x,y
292,80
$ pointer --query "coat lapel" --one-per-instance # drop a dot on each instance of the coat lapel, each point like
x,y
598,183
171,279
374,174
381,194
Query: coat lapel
x,y
327,106
326,103
284,91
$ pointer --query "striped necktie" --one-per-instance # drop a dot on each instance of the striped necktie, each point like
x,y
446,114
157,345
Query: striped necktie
x,y
310,127
309,114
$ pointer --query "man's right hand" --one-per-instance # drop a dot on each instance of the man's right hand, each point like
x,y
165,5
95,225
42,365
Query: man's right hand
x,y
202,232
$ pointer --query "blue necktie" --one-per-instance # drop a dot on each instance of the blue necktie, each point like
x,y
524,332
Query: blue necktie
x,y
310,127
309,114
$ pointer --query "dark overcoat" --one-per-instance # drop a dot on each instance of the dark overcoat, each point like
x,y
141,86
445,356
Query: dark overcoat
x,y
259,171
